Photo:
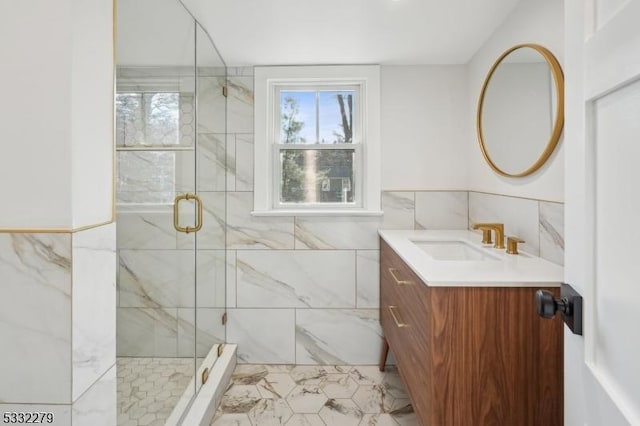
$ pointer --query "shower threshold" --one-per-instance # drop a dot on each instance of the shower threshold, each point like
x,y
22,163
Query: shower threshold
x,y
201,409
158,391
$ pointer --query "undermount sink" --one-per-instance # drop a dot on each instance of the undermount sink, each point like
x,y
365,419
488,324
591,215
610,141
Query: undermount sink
x,y
454,250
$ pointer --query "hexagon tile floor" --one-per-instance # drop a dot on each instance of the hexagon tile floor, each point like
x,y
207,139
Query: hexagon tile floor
x,y
265,395
149,388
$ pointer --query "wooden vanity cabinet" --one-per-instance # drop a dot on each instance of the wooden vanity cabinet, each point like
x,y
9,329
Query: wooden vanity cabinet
x,y
471,356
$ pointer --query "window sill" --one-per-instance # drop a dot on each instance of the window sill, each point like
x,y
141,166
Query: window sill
x,y
317,213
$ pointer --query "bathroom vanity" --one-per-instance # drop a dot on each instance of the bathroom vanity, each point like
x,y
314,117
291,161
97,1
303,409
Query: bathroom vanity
x,y
460,320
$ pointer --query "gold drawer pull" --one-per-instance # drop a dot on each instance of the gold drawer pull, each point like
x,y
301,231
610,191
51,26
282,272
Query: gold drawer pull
x,y
393,271
395,317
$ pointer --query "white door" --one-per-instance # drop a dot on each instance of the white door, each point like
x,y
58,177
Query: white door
x,y
602,148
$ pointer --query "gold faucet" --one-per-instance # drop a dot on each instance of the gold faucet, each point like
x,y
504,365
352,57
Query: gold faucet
x,y
512,244
486,228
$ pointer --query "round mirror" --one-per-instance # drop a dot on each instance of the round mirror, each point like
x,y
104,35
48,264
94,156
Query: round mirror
x,y
521,110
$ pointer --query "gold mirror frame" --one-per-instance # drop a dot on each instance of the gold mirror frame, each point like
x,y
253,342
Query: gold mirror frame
x,y
558,78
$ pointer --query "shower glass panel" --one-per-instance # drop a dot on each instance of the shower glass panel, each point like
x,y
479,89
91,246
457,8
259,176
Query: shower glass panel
x,y
171,208
211,184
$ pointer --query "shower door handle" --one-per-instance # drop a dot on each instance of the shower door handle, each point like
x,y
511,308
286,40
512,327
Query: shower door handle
x,y
176,213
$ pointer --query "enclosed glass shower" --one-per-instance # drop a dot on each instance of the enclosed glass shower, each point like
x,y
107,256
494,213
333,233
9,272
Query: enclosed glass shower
x,y
171,209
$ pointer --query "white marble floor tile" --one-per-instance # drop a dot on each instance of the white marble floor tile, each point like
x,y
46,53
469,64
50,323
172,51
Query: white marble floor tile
x,y
231,420
305,420
240,399
308,374
276,385
249,374
392,383
306,399
339,386
373,399
314,396
279,368
378,420
341,412
149,388
369,374
270,412
406,419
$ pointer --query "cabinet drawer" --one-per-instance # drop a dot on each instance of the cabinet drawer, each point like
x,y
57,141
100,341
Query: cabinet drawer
x,y
405,293
404,316
404,306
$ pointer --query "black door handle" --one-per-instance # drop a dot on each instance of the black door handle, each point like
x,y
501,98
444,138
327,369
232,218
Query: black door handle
x,y
569,305
548,306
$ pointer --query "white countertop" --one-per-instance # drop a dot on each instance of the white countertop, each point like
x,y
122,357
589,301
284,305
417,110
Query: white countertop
x,y
505,271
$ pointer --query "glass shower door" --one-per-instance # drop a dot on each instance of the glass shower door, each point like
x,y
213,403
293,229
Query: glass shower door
x,y
211,186
172,151
156,219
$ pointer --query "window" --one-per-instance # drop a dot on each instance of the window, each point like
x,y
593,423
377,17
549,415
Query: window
x,y
317,142
154,142
317,147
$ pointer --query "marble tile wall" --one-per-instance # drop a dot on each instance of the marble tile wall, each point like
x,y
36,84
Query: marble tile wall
x,y
157,266
35,313
539,223
305,290
317,303
93,307
298,289
292,281
98,405
57,319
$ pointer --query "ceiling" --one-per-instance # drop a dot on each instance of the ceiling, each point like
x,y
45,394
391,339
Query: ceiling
x,y
277,32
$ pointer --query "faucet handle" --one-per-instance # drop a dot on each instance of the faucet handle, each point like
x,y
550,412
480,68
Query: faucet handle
x,y
486,236
512,244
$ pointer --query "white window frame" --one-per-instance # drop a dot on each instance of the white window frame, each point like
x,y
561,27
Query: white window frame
x,y
268,83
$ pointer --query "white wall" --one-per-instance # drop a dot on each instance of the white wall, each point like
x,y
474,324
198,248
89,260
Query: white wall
x,y
91,112
35,127
57,113
424,116
163,38
533,21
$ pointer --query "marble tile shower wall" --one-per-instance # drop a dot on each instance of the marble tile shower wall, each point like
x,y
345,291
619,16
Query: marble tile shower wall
x,y
156,297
